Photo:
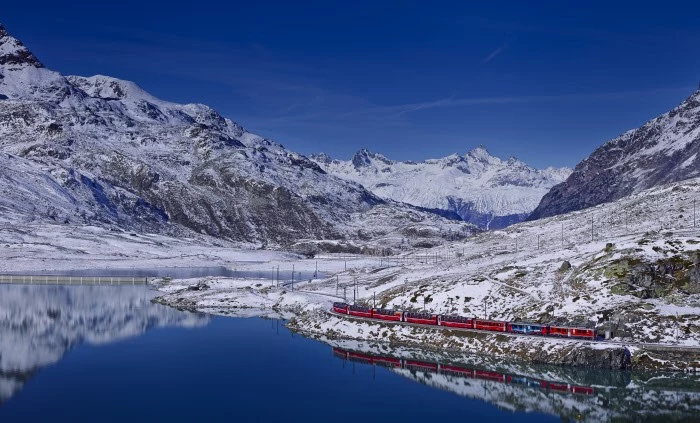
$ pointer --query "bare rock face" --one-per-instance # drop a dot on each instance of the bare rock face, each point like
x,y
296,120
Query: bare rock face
x,y
614,358
14,53
662,151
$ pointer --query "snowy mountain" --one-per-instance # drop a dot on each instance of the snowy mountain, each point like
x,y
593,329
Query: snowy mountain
x,y
663,150
481,188
100,150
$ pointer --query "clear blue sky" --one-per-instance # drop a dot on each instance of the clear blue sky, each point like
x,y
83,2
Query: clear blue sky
x,y
412,80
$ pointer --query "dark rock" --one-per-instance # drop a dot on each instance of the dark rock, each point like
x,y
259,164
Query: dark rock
x,y
631,163
565,266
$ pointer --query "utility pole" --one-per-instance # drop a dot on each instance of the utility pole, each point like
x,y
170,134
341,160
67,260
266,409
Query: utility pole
x,y
345,297
336,285
562,234
592,236
278,276
356,293
538,242
272,276
374,299
292,277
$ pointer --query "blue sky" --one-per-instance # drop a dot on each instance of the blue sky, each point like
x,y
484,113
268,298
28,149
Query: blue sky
x,y
547,83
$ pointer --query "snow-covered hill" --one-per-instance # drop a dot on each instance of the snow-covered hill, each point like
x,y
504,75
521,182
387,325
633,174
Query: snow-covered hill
x,y
99,150
663,150
481,188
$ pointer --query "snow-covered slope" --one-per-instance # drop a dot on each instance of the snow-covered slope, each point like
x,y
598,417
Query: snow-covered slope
x,y
100,150
481,188
663,150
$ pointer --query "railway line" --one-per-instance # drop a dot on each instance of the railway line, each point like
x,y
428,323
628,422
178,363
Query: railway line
x,y
650,346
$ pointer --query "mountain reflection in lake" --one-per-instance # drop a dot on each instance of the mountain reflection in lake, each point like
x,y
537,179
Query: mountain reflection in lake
x,y
39,324
59,361
283,274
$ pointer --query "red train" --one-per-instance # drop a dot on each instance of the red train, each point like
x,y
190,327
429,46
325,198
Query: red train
x,y
463,322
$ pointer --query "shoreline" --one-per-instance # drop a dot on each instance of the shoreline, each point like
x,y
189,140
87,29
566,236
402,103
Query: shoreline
x,y
314,321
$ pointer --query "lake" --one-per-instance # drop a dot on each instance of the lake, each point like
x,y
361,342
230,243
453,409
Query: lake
x,y
89,353
181,273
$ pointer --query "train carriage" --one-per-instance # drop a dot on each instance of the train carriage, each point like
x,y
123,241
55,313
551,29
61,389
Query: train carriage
x,y
559,387
360,357
385,314
583,333
456,370
585,390
387,361
420,318
489,375
359,311
340,308
527,328
558,331
568,332
421,365
492,325
456,322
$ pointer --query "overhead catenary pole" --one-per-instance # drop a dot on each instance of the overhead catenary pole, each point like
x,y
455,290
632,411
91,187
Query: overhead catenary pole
x,y
562,234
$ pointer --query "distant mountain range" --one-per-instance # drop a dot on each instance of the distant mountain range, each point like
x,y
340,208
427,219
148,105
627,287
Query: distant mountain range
x,y
482,189
99,150
661,151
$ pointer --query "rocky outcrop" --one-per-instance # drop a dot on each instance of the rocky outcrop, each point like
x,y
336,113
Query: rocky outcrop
x,y
662,151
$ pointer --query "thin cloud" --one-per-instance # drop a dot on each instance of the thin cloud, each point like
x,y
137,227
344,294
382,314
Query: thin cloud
x,y
494,54
476,101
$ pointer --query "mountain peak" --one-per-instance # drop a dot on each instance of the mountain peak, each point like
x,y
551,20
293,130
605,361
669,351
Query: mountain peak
x,y
364,157
481,154
14,53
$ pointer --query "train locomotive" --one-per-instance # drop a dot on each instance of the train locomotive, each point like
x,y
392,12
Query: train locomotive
x,y
422,318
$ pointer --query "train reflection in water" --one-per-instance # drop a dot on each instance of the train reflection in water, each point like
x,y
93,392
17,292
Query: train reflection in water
x,y
465,372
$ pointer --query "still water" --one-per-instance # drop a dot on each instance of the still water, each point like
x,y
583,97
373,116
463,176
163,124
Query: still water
x,y
109,354
182,273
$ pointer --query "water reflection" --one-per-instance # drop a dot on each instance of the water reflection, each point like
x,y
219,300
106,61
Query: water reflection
x,y
39,324
581,395
182,273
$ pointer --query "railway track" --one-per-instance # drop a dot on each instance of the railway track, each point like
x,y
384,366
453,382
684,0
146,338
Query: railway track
x,y
657,347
